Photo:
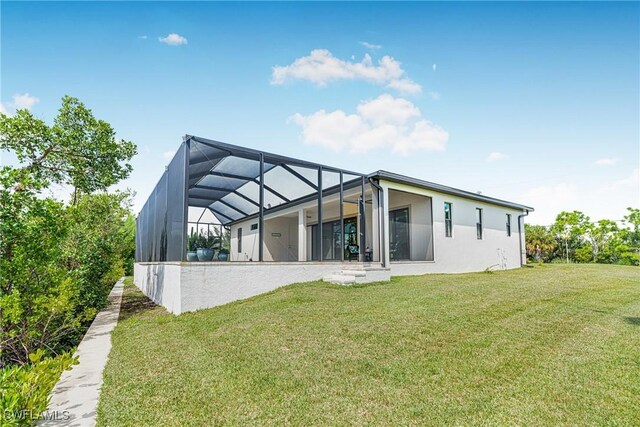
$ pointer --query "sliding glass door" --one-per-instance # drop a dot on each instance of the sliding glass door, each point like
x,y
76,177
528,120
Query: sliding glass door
x,y
399,234
331,244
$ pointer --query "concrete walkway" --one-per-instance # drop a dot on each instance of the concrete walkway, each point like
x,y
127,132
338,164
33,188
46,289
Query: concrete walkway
x,y
74,399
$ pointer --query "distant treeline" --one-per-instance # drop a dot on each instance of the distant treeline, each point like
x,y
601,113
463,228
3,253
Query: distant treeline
x,y
573,237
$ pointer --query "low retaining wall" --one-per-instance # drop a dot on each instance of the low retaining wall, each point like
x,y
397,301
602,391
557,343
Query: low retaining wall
x,y
190,286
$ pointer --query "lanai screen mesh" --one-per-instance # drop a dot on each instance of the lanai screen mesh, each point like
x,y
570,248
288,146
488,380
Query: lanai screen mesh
x,y
226,180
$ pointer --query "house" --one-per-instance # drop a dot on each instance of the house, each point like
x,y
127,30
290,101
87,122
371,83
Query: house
x,y
291,221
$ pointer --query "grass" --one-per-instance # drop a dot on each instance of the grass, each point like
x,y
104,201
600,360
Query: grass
x,y
551,345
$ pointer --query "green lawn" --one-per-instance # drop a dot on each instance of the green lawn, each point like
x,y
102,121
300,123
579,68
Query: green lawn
x,y
550,345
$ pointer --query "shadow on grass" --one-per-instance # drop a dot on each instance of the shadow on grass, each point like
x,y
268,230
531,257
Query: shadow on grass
x,y
133,303
632,320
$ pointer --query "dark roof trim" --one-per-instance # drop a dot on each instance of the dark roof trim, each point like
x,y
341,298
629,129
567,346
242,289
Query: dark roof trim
x,y
402,179
236,150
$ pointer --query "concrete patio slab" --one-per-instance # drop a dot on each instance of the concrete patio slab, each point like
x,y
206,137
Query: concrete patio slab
x,y
74,399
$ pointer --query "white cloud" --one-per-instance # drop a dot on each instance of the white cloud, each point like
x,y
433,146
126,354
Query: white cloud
x,y
606,162
321,67
434,95
24,101
434,66
405,86
386,121
143,37
387,110
173,39
18,102
496,156
168,154
371,46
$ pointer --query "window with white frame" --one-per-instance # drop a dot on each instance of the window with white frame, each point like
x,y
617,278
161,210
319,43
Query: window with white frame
x,y
509,225
479,223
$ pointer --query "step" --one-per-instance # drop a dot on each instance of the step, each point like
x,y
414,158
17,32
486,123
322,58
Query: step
x,y
340,279
350,272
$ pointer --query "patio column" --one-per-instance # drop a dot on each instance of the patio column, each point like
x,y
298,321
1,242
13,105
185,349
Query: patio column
x,y
386,254
341,216
375,224
261,212
319,242
302,236
363,221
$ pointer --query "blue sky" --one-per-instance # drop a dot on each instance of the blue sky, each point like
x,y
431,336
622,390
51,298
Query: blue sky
x,y
551,89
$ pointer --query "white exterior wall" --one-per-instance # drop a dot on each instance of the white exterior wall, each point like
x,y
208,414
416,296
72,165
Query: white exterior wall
x,y
160,282
420,228
280,240
284,248
182,287
249,248
190,286
463,252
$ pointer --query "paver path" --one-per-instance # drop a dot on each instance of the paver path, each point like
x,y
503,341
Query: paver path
x,y
74,400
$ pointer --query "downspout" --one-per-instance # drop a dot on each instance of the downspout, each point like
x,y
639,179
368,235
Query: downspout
x,y
383,246
520,224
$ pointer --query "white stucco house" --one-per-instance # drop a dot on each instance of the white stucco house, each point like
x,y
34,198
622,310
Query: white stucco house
x,y
291,221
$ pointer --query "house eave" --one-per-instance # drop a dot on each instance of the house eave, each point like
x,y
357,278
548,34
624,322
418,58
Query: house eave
x,y
415,182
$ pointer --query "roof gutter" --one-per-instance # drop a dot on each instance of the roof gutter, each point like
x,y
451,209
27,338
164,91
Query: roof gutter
x,y
520,224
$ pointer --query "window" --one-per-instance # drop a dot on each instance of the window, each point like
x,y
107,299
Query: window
x,y
448,223
509,225
254,226
240,240
479,223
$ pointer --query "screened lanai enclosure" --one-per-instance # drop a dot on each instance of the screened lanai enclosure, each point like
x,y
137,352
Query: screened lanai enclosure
x,y
289,221
210,184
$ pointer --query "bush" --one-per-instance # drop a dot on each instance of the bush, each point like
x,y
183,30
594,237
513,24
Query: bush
x,y
36,307
58,262
584,254
57,266
25,390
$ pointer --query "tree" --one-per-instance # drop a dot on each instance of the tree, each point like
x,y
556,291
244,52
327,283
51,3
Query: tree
x,y
569,228
35,293
600,236
57,263
78,150
630,238
540,242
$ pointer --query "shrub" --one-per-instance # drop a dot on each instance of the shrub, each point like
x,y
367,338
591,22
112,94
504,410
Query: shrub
x,y
57,266
58,262
584,254
36,308
25,390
